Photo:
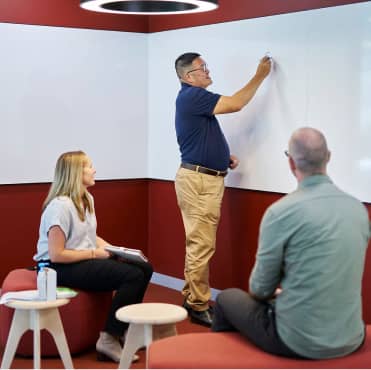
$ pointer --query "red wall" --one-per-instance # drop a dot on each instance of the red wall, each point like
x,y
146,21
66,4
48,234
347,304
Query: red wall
x,y
19,220
67,13
233,10
236,240
121,207
144,214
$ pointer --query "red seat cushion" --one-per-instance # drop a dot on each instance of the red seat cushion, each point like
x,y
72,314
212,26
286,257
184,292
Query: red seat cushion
x,y
82,318
231,350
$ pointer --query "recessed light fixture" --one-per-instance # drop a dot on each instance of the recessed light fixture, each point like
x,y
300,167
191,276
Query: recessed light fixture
x,y
149,7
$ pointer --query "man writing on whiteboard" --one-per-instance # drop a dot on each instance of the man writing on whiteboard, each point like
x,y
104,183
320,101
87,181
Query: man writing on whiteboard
x,y
205,159
312,247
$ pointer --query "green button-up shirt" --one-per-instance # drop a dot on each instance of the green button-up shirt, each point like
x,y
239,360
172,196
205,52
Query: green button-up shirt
x,y
313,243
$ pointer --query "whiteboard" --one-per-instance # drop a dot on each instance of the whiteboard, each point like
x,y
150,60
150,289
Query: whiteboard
x,y
321,78
65,89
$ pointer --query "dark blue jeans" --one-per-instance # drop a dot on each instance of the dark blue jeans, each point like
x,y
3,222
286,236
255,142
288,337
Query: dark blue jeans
x,y
236,310
129,281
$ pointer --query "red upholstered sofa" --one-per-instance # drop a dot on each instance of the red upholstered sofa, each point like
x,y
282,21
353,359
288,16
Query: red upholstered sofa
x,y
231,350
83,317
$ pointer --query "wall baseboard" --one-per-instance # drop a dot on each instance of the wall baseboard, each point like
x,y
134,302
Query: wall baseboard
x,y
175,283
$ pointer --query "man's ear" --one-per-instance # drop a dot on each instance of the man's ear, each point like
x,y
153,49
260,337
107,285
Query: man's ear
x,y
328,156
186,78
292,165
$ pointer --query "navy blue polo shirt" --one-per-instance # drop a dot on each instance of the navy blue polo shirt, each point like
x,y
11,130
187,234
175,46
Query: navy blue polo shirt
x,y
200,138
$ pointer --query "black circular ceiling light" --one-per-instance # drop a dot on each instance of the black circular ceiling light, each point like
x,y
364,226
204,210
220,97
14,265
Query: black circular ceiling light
x,y
149,7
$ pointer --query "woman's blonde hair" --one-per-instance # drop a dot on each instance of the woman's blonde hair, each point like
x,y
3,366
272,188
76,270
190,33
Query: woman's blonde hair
x,y
68,182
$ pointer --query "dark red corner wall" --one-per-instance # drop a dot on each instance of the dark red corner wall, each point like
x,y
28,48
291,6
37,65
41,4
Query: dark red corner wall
x,y
121,207
233,10
144,214
67,13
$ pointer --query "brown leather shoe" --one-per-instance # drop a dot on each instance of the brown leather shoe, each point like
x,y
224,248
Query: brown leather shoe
x,y
186,305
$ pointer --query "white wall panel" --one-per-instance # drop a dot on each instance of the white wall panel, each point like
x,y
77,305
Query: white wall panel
x,y
66,89
321,78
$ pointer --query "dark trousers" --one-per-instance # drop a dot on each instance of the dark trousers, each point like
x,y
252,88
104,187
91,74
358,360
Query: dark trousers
x,y
129,281
236,310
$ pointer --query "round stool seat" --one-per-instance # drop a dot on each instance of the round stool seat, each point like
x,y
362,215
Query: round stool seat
x,y
151,313
37,305
142,317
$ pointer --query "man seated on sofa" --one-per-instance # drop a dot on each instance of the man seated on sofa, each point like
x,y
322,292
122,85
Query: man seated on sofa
x,y
312,245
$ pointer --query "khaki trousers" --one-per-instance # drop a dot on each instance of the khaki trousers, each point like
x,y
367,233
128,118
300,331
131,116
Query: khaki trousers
x,y
199,198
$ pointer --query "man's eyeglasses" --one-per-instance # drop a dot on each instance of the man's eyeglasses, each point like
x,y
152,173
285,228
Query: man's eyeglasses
x,y
202,67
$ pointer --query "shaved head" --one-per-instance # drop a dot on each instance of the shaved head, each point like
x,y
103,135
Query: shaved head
x,y
308,149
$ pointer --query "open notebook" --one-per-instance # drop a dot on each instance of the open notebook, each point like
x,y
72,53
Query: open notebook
x,y
134,255
33,295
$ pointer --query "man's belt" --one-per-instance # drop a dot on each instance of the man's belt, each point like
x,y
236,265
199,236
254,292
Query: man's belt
x,y
207,171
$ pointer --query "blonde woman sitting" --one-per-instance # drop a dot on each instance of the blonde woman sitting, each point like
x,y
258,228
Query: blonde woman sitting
x,y
69,243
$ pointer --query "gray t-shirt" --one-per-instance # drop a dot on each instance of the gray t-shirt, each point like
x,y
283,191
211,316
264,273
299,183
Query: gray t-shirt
x,y
313,242
80,235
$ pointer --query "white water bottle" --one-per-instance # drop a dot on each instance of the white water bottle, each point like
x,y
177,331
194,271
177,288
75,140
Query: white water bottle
x,y
41,282
51,284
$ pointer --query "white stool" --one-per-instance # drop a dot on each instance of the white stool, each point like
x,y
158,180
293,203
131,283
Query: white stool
x,y
36,315
142,317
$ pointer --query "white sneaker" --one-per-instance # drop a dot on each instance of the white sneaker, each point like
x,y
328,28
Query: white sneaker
x,y
108,347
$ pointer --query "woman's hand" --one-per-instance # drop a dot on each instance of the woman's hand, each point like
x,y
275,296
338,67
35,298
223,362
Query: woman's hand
x,y
101,253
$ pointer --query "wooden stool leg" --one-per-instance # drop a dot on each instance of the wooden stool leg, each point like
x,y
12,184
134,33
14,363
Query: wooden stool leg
x,y
134,340
20,324
51,321
35,326
148,336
